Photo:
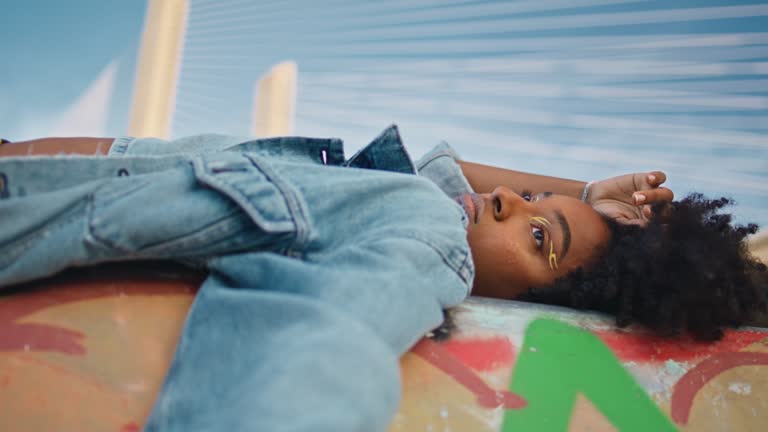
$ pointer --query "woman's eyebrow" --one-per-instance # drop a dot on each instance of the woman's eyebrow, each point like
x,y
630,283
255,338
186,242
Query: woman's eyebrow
x,y
566,229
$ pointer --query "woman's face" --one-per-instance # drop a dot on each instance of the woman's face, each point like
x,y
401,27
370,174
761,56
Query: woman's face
x,y
519,243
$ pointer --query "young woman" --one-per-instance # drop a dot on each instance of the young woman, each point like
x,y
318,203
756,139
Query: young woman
x,y
323,270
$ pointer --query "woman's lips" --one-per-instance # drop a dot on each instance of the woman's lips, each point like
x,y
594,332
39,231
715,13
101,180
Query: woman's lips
x,y
473,204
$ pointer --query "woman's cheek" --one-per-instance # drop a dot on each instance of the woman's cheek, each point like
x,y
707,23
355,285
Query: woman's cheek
x,y
497,251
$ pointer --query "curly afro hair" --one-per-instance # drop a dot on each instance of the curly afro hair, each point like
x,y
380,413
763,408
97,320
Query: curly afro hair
x,y
687,271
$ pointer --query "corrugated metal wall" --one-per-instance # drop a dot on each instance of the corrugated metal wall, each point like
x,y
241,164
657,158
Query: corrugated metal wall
x,y
576,88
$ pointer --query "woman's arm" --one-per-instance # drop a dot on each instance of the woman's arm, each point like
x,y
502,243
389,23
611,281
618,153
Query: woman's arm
x,y
626,199
52,146
485,178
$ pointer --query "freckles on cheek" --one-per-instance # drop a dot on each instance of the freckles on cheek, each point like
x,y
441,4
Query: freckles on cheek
x,y
525,269
508,252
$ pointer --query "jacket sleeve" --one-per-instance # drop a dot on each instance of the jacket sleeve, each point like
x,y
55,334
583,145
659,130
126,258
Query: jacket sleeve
x,y
325,151
196,144
271,336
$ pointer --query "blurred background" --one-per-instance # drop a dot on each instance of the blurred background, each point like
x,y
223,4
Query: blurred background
x,y
575,88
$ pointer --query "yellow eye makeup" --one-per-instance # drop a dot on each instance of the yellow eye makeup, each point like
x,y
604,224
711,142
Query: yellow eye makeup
x,y
552,257
542,221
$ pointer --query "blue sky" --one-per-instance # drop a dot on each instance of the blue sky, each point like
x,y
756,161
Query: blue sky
x,y
52,51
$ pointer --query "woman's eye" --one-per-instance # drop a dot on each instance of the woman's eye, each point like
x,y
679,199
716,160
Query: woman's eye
x,y
526,194
538,236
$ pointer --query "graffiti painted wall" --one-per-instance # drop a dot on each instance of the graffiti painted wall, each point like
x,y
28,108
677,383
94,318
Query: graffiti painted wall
x,y
88,352
516,367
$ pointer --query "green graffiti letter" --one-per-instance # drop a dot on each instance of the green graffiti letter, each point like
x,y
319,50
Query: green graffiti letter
x,y
557,363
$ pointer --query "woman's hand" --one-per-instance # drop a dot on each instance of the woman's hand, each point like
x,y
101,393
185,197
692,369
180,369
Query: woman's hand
x,y
628,198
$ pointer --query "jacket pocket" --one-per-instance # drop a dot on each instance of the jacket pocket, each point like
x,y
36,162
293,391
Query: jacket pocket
x,y
273,203
171,215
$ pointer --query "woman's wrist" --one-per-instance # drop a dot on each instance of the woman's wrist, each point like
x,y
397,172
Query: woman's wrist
x,y
585,191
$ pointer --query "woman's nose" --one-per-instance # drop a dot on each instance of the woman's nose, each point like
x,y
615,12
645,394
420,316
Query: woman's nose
x,y
505,201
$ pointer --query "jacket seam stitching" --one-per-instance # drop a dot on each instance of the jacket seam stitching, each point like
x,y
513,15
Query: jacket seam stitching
x,y
449,262
295,208
23,244
433,157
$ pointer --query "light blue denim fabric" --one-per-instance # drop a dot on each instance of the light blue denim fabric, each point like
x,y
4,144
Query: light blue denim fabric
x,y
440,166
320,275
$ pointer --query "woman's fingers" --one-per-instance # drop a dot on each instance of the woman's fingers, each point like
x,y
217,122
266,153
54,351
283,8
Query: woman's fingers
x,y
627,221
655,178
652,196
660,194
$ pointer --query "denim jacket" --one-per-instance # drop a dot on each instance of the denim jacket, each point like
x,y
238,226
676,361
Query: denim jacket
x,y
275,181
323,268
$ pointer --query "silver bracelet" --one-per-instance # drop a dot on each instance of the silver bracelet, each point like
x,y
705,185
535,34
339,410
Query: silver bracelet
x,y
585,194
